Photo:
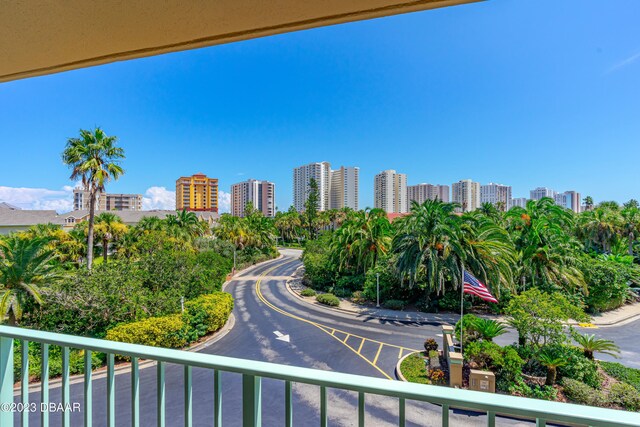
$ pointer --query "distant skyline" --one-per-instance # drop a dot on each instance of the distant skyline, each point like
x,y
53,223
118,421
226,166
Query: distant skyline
x,y
520,92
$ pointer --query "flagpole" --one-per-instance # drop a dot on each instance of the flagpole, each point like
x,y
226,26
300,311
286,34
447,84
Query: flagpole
x,y
461,304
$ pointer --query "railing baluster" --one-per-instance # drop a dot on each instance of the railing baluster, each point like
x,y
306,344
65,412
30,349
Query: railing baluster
x,y
251,401
323,406
217,395
361,409
135,393
6,375
111,391
160,384
44,385
491,419
445,415
66,421
540,422
24,385
188,403
288,404
88,390
401,412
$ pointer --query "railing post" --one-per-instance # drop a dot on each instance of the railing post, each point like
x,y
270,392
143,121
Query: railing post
x,y
6,384
251,401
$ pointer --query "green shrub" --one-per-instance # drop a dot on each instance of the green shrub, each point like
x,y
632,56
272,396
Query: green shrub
x,y
328,299
503,361
394,304
625,395
346,285
451,301
414,370
436,376
430,345
358,297
580,392
206,314
390,285
535,391
607,283
469,333
622,373
308,292
433,353
319,269
167,331
578,367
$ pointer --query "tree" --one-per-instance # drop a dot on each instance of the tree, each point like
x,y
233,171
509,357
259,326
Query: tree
x,y
95,159
25,265
599,227
590,344
311,207
539,317
552,362
488,329
588,202
109,227
630,225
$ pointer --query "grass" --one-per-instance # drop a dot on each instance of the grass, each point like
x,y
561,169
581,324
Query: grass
x,y
413,369
622,373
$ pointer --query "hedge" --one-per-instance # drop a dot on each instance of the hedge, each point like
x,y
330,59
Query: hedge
x,y
202,315
166,331
328,299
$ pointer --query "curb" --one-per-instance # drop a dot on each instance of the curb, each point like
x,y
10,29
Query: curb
x,y
398,371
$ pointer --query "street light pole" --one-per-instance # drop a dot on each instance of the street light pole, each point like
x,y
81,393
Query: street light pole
x,y
377,289
234,260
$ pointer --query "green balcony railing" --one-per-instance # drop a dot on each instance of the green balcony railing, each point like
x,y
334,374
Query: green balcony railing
x,y
252,373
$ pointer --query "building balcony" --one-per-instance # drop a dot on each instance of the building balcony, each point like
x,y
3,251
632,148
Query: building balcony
x,y
151,399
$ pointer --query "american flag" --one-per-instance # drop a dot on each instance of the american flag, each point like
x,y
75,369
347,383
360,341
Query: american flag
x,y
474,287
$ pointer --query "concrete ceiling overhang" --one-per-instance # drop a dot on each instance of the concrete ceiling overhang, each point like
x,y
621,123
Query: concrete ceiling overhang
x,y
40,37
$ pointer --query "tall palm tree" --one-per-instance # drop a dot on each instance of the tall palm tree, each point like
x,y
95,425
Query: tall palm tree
x,y
109,227
630,225
590,344
488,329
599,227
552,362
95,159
25,265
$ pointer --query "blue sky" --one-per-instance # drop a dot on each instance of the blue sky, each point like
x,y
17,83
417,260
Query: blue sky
x,y
522,92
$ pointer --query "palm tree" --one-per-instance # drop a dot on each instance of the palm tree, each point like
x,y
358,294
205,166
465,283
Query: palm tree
x,y
590,344
630,225
95,159
25,265
552,362
109,227
488,329
599,227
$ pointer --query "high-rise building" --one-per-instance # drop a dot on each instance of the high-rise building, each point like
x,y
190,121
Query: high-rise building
x,y
497,194
390,192
197,193
569,199
541,192
261,194
467,194
302,175
519,201
344,188
107,201
421,192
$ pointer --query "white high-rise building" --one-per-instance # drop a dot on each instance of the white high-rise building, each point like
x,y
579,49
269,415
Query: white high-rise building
x,y
570,200
497,194
261,194
344,188
467,194
541,192
107,201
390,192
422,192
302,175
519,201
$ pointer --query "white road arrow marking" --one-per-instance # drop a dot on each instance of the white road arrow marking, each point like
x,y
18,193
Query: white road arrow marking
x,y
280,336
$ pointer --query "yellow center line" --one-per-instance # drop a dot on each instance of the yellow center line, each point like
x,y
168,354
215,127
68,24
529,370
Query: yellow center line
x,y
324,328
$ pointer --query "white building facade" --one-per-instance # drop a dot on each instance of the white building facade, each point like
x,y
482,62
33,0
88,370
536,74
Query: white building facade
x,y
541,192
467,194
390,192
519,201
302,175
345,183
498,195
570,200
107,201
261,194
421,192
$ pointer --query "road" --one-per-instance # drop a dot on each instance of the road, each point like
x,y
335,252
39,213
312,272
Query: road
x,y
317,338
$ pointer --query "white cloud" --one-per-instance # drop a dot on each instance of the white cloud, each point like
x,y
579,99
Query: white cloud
x,y
38,198
631,59
159,198
224,202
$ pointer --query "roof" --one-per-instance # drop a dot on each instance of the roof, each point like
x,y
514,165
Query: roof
x,y
26,217
5,205
44,37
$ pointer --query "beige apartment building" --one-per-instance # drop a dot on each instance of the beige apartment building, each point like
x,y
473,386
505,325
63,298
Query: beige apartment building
x,y
197,193
107,201
390,192
261,194
421,192
467,194
344,188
